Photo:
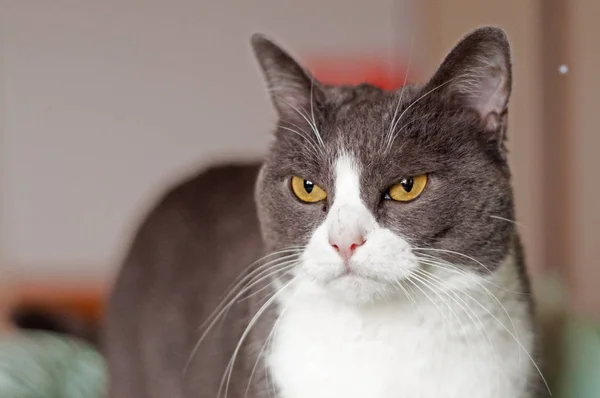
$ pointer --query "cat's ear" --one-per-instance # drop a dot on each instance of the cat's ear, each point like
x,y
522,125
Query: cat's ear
x,y
477,75
293,90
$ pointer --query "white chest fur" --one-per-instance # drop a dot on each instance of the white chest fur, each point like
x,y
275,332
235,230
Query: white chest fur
x,y
326,349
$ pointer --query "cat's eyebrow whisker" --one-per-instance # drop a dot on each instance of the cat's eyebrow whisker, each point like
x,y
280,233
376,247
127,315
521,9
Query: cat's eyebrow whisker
x,y
312,113
229,370
312,149
300,129
303,134
419,99
312,126
296,126
413,121
392,123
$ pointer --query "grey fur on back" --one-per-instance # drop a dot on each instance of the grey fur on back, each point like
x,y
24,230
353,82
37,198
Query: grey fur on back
x,y
185,255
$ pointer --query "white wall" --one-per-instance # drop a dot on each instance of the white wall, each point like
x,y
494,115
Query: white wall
x,y
104,101
583,269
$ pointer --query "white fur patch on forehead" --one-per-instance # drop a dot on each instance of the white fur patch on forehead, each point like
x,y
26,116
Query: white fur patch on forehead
x,y
347,180
348,217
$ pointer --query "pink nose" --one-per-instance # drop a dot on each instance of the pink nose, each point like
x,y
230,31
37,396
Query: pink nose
x,y
346,246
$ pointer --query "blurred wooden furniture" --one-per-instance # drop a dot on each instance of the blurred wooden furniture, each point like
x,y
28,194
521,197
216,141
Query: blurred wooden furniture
x,y
84,301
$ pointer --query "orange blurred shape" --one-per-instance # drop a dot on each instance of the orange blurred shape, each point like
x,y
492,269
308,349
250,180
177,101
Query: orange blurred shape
x,y
353,70
82,300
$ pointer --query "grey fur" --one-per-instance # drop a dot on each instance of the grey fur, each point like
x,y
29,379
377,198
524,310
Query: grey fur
x,y
207,231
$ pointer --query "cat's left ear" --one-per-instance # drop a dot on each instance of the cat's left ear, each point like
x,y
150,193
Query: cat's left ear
x,y
294,92
477,75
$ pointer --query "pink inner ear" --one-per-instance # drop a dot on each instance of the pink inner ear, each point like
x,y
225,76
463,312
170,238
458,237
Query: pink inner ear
x,y
488,95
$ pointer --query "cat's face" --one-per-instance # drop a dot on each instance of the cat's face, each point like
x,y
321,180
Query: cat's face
x,y
375,185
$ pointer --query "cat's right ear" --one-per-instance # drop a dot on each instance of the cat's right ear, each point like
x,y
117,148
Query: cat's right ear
x,y
294,92
477,75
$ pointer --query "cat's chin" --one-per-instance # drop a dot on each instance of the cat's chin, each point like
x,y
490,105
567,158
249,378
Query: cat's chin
x,y
358,290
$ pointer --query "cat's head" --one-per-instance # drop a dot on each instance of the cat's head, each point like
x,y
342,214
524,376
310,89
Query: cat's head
x,y
376,186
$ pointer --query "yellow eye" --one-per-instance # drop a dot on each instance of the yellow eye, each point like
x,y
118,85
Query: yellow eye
x,y
307,191
407,189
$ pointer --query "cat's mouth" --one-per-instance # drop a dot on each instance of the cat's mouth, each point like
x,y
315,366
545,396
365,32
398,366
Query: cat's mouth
x,y
351,274
357,288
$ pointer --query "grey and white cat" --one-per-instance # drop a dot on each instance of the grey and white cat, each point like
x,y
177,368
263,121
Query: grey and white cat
x,y
388,265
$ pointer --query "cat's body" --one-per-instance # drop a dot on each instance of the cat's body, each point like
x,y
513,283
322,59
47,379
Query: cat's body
x,y
177,272
392,267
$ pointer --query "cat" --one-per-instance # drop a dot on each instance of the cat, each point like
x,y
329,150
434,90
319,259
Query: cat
x,y
373,253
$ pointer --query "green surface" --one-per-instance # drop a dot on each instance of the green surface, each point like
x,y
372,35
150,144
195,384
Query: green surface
x,y
582,360
42,365
571,344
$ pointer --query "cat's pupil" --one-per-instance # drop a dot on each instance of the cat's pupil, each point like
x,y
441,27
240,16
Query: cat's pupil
x,y
308,186
407,184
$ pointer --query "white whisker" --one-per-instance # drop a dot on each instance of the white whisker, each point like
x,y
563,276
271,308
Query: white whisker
x,y
456,253
248,282
312,149
290,249
313,127
312,112
419,99
513,335
469,311
228,372
517,341
286,268
518,224
409,279
392,123
261,352
424,274
406,293
448,266
480,284
243,278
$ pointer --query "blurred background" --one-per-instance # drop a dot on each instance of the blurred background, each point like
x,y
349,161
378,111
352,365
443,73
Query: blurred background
x,y
104,104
